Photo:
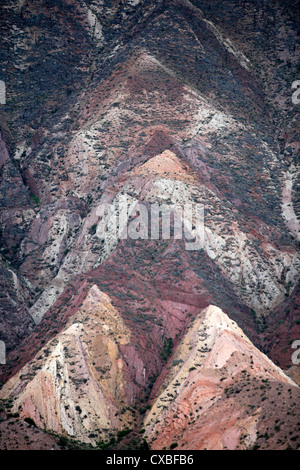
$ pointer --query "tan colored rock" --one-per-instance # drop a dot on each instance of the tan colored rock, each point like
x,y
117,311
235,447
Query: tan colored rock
x,y
208,397
76,384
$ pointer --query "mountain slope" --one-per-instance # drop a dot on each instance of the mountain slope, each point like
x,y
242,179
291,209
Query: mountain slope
x,y
214,392
77,383
142,103
217,392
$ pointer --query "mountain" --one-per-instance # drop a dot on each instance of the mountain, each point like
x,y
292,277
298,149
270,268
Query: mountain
x,y
114,106
221,393
216,391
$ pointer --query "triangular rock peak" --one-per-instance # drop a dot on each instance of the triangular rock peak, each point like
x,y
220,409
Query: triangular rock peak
x,y
165,165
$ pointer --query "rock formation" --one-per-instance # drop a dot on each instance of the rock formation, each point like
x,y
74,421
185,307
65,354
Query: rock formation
x,y
136,104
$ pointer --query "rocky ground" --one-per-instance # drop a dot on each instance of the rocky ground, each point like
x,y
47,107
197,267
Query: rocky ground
x,y
166,102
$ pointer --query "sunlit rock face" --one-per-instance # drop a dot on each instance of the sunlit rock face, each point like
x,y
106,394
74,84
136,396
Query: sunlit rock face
x,y
206,396
214,392
174,103
77,383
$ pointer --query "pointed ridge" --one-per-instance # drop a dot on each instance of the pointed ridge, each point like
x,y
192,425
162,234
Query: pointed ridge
x,y
165,165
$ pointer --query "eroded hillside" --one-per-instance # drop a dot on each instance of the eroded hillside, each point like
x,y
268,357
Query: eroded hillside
x,y
168,102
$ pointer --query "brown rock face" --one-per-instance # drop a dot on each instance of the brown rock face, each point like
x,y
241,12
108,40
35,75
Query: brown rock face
x,y
214,392
77,383
19,435
171,103
217,392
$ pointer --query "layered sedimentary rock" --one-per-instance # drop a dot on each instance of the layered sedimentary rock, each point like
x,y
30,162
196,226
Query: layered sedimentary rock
x,y
218,391
76,385
175,103
210,105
